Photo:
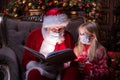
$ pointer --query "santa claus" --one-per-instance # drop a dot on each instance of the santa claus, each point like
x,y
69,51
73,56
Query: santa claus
x,y
51,37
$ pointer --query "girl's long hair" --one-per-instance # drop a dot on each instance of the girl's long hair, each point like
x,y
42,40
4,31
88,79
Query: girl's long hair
x,y
92,28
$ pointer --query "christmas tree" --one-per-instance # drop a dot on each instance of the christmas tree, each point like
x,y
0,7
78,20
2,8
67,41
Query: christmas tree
x,y
91,8
14,8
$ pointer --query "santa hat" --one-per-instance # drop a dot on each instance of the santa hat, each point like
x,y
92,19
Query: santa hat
x,y
55,17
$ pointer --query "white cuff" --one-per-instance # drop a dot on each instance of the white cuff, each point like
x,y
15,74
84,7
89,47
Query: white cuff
x,y
31,64
36,65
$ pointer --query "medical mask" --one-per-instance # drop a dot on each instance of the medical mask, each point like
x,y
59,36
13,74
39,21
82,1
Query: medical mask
x,y
54,34
85,39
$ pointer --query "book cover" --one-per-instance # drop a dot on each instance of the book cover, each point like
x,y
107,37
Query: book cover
x,y
57,57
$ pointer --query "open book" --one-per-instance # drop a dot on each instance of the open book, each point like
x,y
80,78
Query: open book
x,y
57,57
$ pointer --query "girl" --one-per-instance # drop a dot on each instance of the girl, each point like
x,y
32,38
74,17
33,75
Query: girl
x,y
91,62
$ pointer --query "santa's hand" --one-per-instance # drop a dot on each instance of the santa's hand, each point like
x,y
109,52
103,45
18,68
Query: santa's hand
x,y
67,64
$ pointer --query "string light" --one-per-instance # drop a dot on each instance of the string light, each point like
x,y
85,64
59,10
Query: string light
x,y
90,7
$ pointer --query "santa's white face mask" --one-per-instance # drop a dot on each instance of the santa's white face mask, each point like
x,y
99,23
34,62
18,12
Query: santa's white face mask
x,y
54,37
54,34
85,39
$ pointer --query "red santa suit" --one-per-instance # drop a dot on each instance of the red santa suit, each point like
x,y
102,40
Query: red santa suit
x,y
38,41
35,41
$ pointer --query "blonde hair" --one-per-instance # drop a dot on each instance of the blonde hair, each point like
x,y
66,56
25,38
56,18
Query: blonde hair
x,y
92,28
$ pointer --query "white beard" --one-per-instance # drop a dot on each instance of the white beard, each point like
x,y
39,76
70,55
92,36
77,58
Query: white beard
x,y
46,48
48,44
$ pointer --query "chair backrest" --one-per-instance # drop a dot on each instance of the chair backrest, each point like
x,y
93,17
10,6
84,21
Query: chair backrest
x,y
13,33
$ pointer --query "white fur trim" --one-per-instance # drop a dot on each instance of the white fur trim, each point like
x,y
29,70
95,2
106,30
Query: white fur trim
x,y
42,72
56,20
35,65
0,19
31,64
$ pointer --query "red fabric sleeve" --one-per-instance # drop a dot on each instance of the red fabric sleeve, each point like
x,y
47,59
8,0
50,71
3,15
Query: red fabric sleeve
x,y
100,69
31,43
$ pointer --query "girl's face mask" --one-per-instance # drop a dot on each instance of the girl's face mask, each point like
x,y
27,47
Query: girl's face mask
x,y
84,38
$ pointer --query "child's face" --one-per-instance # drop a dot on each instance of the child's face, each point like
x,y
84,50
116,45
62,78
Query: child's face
x,y
85,37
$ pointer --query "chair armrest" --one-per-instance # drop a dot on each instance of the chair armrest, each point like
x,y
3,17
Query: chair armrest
x,y
8,58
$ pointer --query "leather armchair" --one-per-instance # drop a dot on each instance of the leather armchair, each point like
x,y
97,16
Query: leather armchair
x,y
13,34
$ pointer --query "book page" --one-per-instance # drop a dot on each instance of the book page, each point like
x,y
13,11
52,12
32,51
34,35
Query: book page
x,y
57,57
61,56
36,53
